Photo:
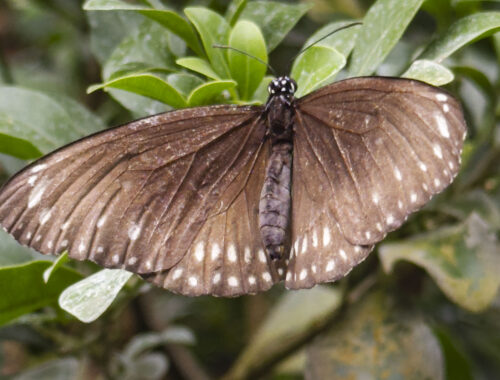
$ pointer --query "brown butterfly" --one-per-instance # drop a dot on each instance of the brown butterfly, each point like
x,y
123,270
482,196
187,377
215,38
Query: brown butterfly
x,y
228,200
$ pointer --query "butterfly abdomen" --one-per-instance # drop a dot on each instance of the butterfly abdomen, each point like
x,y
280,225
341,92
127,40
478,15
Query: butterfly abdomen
x,y
275,200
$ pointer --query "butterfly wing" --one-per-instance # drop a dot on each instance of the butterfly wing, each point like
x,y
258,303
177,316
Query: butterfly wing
x,y
367,152
227,257
137,196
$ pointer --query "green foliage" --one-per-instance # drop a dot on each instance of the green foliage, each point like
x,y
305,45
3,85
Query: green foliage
x,y
384,320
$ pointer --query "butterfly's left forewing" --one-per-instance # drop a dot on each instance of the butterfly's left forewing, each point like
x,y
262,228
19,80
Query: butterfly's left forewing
x,y
137,196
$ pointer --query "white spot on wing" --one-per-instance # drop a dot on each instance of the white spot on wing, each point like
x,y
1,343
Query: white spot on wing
x,y
343,254
231,253
326,236
45,216
215,251
115,259
262,256
303,274
64,243
368,234
266,276
247,255
330,266
133,232
38,168
437,182
397,174
101,221
199,251
375,198
313,268
288,276
216,278
100,249
251,280
192,281
304,245
446,108
232,281
177,273
36,194
441,97
422,166
132,260
32,180
81,248
437,151
442,125
390,219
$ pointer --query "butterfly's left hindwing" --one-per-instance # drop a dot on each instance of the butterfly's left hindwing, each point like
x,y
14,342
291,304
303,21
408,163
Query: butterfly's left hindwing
x,y
135,197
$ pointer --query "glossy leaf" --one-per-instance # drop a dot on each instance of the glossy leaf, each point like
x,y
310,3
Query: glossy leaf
x,y
274,19
147,45
461,33
13,253
376,341
55,265
247,71
261,93
316,67
429,72
198,65
296,315
50,123
234,11
168,19
207,92
212,29
35,293
343,40
463,260
89,298
146,85
382,28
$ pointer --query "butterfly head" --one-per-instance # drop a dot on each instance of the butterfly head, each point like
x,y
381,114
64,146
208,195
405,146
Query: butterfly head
x,y
282,86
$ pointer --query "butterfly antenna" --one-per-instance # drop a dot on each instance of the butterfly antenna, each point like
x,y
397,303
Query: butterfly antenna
x,y
245,53
324,37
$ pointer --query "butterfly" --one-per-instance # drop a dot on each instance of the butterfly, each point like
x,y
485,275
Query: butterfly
x,y
228,200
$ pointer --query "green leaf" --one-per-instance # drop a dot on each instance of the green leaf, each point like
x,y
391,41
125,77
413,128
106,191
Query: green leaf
x,y
317,66
12,253
461,33
429,72
480,79
343,41
274,19
59,369
198,65
376,341
247,71
55,265
184,82
146,45
207,92
146,85
24,291
457,363
383,26
90,297
463,260
293,318
108,29
213,29
166,18
234,11
147,341
41,122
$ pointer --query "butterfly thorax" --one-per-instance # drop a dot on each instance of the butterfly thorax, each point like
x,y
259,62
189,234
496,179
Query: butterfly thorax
x,y
275,201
